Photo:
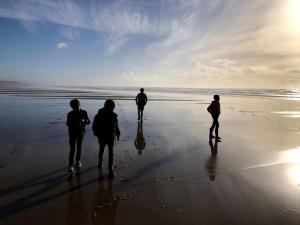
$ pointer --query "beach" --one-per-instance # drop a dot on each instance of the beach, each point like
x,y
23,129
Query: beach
x,y
176,176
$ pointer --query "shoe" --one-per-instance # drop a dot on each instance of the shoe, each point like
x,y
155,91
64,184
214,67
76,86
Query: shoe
x,y
71,170
111,174
78,165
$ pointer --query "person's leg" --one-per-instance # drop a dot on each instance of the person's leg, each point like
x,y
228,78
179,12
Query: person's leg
x,y
142,112
111,159
139,112
79,145
212,129
72,141
217,128
110,155
101,151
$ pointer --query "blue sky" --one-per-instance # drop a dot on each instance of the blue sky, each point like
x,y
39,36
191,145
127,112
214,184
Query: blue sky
x,y
181,43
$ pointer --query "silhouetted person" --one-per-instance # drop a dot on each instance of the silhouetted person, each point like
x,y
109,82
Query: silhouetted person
x,y
212,161
141,101
76,121
215,110
105,127
140,142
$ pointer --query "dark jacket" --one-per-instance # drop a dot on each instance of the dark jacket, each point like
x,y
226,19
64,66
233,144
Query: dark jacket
x,y
141,99
105,125
214,108
76,122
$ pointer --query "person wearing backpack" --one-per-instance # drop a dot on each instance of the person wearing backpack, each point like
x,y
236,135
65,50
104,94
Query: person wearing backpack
x,y
106,129
215,110
77,119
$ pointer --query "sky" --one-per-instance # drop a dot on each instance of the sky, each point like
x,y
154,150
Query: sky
x,y
169,43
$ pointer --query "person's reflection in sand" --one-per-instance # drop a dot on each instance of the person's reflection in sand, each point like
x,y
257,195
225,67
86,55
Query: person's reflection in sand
x,y
140,142
106,203
211,163
76,211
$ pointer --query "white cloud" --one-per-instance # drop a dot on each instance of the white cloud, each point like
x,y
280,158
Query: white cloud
x,y
136,78
71,33
32,27
231,39
217,73
61,45
116,19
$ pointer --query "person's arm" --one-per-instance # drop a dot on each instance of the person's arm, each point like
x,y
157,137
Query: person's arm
x,y
118,133
68,120
136,99
86,119
95,126
146,99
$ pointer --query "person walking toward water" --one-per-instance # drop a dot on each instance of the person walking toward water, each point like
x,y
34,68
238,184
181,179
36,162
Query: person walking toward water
x,y
77,119
141,101
215,110
105,127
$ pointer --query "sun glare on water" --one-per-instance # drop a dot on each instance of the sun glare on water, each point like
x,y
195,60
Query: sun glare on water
x,y
292,156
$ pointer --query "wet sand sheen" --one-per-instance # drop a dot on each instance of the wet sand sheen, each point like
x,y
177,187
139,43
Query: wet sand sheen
x,y
177,178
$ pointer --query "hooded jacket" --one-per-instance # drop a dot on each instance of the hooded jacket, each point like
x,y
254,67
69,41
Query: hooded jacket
x,y
105,125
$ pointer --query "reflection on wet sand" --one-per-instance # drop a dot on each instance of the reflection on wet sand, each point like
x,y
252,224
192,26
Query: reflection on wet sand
x,y
77,214
211,163
140,142
169,182
106,203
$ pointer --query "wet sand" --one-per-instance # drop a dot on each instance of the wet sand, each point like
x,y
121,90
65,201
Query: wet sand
x,y
174,176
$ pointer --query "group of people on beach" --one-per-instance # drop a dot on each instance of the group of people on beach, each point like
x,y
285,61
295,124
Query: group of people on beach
x,y
105,128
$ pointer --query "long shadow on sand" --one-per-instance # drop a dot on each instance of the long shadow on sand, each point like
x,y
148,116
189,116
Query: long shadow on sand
x,y
28,201
152,166
30,183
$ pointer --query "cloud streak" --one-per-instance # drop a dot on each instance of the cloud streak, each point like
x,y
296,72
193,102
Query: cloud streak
x,y
98,16
70,33
229,39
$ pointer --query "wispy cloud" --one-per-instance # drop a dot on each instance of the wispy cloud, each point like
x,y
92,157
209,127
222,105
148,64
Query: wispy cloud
x,y
136,78
114,43
70,33
117,19
228,39
32,27
61,45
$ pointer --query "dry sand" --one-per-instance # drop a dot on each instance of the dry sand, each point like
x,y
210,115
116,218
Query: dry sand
x,y
176,178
